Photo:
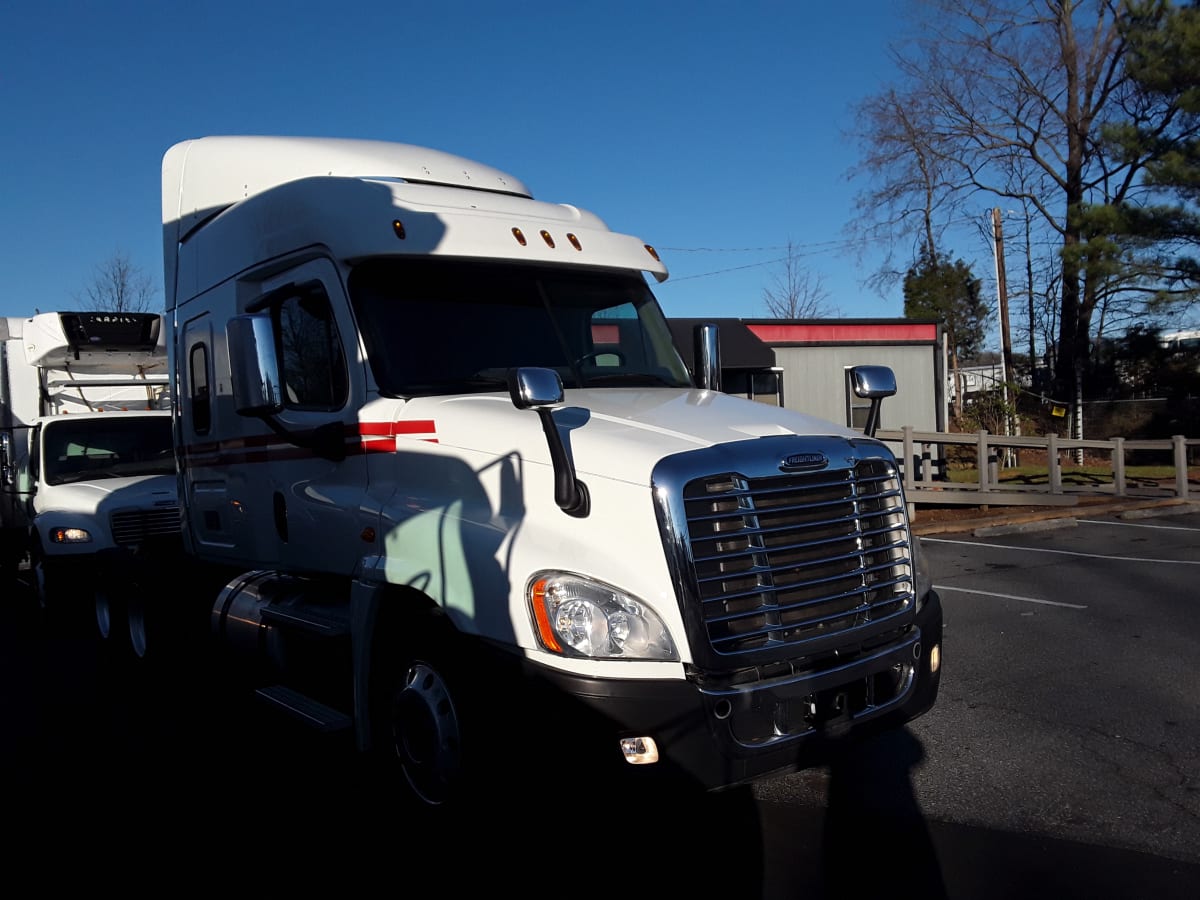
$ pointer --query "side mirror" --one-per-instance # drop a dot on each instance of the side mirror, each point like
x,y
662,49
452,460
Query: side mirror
x,y
873,383
253,365
531,388
539,389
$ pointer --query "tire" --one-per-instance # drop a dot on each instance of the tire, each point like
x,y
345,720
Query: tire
x,y
51,588
429,728
137,628
62,602
108,615
135,621
41,580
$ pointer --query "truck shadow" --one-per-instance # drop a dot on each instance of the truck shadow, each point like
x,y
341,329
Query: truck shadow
x,y
874,827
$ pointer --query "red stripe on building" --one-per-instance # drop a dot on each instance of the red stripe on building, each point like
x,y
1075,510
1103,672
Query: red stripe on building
x,y
845,332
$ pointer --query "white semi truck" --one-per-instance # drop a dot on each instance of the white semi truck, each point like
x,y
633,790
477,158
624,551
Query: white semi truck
x,y
457,493
87,469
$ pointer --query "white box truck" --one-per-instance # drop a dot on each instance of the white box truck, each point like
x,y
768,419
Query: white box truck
x,y
87,469
461,497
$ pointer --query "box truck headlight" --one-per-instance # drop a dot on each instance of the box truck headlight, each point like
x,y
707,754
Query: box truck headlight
x,y
70,536
577,616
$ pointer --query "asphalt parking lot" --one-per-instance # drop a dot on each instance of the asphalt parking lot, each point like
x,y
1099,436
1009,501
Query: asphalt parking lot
x,y
1060,761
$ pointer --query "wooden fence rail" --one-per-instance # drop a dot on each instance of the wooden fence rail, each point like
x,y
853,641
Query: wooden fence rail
x,y
922,484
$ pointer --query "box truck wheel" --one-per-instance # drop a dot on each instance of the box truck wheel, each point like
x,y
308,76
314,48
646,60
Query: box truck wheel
x,y
49,585
60,598
106,613
135,618
129,595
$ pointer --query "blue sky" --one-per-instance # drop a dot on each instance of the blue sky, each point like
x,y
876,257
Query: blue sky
x,y
712,130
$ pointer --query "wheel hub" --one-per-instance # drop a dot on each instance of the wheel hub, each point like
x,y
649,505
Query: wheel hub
x,y
426,733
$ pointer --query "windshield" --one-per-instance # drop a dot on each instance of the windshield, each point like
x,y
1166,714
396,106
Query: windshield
x,y
78,449
436,326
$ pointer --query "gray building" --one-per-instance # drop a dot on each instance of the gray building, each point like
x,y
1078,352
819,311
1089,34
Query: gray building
x,y
803,364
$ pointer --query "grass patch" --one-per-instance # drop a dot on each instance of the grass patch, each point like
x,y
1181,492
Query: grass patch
x,y
1073,475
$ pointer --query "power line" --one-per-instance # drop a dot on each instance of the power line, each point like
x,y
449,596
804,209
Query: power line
x,y
676,280
797,249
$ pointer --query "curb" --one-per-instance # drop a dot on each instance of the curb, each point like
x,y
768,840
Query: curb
x,y
1023,527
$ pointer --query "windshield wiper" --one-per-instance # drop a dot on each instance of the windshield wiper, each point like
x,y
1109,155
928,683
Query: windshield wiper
x,y
630,379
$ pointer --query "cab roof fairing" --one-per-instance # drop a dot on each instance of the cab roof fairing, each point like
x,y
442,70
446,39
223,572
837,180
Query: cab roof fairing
x,y
203,176
353,218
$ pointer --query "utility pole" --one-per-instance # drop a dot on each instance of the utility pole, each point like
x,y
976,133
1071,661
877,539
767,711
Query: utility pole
x,y
1029,281
1005,342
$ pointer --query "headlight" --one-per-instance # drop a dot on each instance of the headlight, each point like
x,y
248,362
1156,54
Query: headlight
x,y
576,616
69,536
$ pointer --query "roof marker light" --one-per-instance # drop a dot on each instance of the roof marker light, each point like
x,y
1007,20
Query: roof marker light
x,y
652,252
519,235
398,227
574,241
547,238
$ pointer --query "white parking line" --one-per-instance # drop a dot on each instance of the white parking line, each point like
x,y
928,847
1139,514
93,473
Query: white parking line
x,y
1136,525
947,587
1177,562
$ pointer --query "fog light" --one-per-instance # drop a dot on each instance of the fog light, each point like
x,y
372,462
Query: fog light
x,y
935,658
639,751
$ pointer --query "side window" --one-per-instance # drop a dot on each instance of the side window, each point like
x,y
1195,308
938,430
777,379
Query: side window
x,y
313,368
35,454
199,394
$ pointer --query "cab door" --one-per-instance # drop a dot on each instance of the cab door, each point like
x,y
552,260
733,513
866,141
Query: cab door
x,y
315,472
220,481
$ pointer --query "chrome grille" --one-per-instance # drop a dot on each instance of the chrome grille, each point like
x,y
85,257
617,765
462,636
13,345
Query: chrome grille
x,y
137,525
789,561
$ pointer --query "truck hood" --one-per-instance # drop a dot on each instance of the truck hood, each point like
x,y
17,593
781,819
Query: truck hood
x,y
616,433
109,494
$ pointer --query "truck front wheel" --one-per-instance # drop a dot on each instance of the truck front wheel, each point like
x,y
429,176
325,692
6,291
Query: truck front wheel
x,y
430,722
426,732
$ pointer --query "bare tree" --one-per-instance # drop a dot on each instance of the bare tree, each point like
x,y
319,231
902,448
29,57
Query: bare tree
x,y
118,286
1004,100
795,293
911,197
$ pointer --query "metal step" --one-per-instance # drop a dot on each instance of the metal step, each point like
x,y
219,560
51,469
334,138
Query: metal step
x,y
306,619
309,711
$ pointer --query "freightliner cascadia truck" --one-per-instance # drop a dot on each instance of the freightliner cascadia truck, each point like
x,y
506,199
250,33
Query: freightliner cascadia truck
x,y
459,497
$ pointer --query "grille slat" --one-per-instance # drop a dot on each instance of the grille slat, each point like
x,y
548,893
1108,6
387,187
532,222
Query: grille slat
x,y
851,632
784,583
789,560
788,548
135,526
810,602
733,512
